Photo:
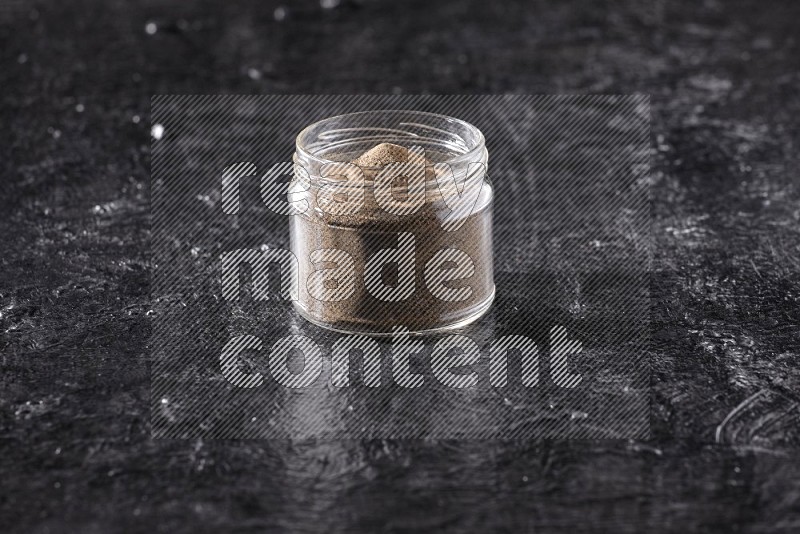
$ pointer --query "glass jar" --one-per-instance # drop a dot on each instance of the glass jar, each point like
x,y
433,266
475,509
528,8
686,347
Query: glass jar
x,y
404,245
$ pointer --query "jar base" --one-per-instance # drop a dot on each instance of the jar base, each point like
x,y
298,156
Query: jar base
x,y
478,312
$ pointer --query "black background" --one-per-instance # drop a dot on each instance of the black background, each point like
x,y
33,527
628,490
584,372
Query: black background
x,y
77,79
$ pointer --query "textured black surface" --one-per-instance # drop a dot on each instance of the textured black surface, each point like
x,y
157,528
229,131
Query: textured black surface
x,y
726,284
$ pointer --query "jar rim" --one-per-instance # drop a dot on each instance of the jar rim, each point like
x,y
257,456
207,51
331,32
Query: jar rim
x,y
473,153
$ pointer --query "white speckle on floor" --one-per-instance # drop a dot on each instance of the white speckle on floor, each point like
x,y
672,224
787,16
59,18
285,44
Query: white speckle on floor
x,y
157,131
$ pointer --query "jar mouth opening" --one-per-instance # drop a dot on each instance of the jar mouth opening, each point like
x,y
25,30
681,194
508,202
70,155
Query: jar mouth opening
x,y
410,128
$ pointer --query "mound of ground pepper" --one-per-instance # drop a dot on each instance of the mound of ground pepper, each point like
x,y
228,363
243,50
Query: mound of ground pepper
x,y
371,229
